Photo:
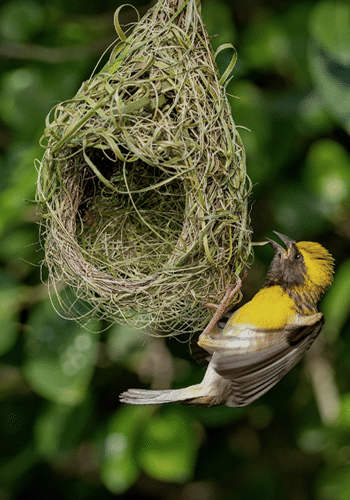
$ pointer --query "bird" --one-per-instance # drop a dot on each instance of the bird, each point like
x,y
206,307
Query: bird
x,y
263,339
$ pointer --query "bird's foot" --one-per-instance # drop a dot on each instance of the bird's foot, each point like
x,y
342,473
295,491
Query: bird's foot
x,y
222,306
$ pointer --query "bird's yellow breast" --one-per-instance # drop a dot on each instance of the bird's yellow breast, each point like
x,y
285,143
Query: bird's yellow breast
x,y
270,309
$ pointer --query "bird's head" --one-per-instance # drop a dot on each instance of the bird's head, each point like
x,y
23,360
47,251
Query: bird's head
x,y
304,267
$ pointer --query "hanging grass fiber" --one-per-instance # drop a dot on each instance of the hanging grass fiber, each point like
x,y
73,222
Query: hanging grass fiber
x,y
142,186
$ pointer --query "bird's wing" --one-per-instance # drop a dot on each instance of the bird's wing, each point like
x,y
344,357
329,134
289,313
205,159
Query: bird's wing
x,y
252,373
198,353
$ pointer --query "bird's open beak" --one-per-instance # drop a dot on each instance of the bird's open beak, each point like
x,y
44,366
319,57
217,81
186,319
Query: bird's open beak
x,y
278,249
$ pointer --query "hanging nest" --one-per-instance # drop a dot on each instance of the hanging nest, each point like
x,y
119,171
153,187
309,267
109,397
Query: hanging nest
x,y
143,185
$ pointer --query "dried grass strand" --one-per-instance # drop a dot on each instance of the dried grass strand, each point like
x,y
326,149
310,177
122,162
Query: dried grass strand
x,y
143,186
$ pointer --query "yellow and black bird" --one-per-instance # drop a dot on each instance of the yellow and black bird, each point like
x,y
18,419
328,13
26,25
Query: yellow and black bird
x,y
264,338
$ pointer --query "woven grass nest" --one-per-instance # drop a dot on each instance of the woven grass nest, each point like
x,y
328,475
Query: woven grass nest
x,y
142,186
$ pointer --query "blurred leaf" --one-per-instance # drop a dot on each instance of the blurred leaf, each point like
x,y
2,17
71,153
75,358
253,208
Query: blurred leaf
x,y
328,171
332,79
313,440
119,468
24,100
336,303
217,416
16,467
218,19
312,114
59,428
266,44
61,356
17,243
10,296
8,319
29,92
330,28
330,56
122,340
334,484
167,449
248,110
74,32
21,250
343,420
17,453
11,381
20,20
19,186
262,483
291,203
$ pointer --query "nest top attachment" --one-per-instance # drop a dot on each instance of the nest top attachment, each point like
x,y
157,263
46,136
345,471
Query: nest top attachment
x,y
142,185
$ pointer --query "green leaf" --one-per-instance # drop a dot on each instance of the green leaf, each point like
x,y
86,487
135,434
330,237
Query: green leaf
x,y
167,450
8,318
20,20
332,80
122,340
291,203
336,304
217,416
343,419
330,28
21,250
17,466
23,100
119,468
334,484
18,186
218,19
61,356
17,453
327,171
266,44
59,427
330,54
249,111
313,440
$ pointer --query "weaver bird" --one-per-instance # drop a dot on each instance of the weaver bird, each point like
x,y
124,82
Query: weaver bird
x,y
264,338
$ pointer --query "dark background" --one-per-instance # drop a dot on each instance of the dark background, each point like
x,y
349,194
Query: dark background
x,y
63,433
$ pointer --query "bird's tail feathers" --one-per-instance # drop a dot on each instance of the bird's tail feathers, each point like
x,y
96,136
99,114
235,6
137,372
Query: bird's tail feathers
x,y
193,396
147,397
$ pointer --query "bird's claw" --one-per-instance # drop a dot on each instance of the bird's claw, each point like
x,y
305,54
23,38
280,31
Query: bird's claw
x,y
220,308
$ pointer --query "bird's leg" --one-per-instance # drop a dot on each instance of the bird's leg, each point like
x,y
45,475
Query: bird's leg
x,y
220,308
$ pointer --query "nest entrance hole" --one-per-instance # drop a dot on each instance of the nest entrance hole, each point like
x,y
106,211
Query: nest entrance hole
x,y
132,222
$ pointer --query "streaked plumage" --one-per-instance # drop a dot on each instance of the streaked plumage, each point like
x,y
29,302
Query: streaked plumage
x,y
264,338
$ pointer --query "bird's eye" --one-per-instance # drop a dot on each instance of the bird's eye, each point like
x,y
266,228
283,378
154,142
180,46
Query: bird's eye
x,y
297,256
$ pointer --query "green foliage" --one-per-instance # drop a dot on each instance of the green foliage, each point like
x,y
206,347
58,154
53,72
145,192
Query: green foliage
x,y
59,428
336,304
329,56
328,172
61,356
21,20
162,444
167,448
63,433
119,467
